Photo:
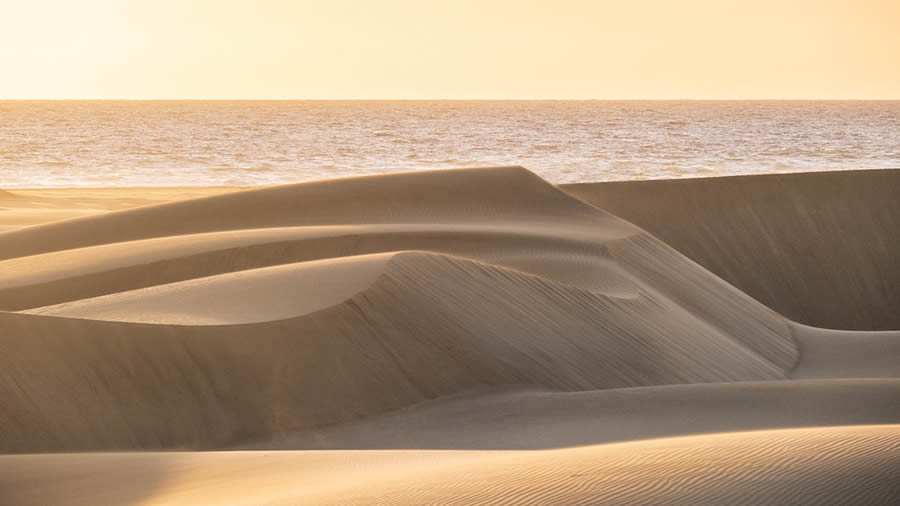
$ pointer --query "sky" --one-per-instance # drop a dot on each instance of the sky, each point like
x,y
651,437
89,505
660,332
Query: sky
x,y
458,49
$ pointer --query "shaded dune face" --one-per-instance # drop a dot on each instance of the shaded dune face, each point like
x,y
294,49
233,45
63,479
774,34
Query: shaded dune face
x,y
820,248
520,419
322,303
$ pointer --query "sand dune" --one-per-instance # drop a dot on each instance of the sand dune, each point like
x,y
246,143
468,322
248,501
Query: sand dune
x,y
822,466
51,278
479,309
529,419
820,248
255,295
429,325
21,208
510,194
846,354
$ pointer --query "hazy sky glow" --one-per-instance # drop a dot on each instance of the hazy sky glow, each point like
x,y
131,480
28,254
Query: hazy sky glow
x,y
653,49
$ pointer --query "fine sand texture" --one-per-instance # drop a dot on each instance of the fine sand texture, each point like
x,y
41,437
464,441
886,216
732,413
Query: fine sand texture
x,y
821,248
471,336
821,466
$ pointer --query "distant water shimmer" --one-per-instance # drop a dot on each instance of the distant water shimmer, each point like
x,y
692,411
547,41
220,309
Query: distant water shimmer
x,y
244,143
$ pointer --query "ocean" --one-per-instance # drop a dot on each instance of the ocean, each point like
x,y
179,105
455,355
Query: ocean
x,y
246,143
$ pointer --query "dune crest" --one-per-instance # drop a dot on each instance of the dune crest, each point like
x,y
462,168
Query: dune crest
x,y
821,248
255,295
509,194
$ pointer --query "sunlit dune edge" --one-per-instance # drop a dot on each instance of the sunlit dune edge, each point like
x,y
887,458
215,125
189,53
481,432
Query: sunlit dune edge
x,y
823,465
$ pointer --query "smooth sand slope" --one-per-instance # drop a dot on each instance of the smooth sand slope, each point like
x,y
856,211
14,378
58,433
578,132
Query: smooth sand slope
x,y
22,208
822,466
820,248
254,295
528,419
479,309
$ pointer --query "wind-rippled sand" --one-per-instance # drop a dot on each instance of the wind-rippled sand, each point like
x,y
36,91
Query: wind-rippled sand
x,y
472,336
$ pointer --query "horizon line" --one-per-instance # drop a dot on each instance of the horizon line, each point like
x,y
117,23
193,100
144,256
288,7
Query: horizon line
x,y
488,99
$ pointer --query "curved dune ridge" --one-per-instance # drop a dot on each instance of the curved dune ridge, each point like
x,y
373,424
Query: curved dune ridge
x,y
479,309
269,293
822,466
550,419
821,248
507,194
62,276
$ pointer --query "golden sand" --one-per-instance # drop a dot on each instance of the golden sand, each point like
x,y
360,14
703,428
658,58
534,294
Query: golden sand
x,y
468,336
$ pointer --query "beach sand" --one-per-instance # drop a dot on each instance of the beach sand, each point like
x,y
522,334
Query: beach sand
x,y
472,336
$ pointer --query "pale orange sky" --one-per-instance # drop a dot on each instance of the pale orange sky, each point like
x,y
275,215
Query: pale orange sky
x,y
653,49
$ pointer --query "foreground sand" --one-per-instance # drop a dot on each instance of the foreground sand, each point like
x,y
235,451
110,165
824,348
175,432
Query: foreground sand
x,y
530,337
823,466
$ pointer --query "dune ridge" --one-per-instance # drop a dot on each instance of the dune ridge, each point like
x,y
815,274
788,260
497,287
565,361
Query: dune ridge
x,y
56,277
511,194
240,297
480,309
821,248
429,325
546,419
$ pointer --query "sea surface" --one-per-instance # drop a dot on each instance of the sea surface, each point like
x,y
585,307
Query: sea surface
x,y
174,143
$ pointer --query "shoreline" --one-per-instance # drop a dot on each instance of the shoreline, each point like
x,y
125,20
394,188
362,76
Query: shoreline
x,y
31,189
